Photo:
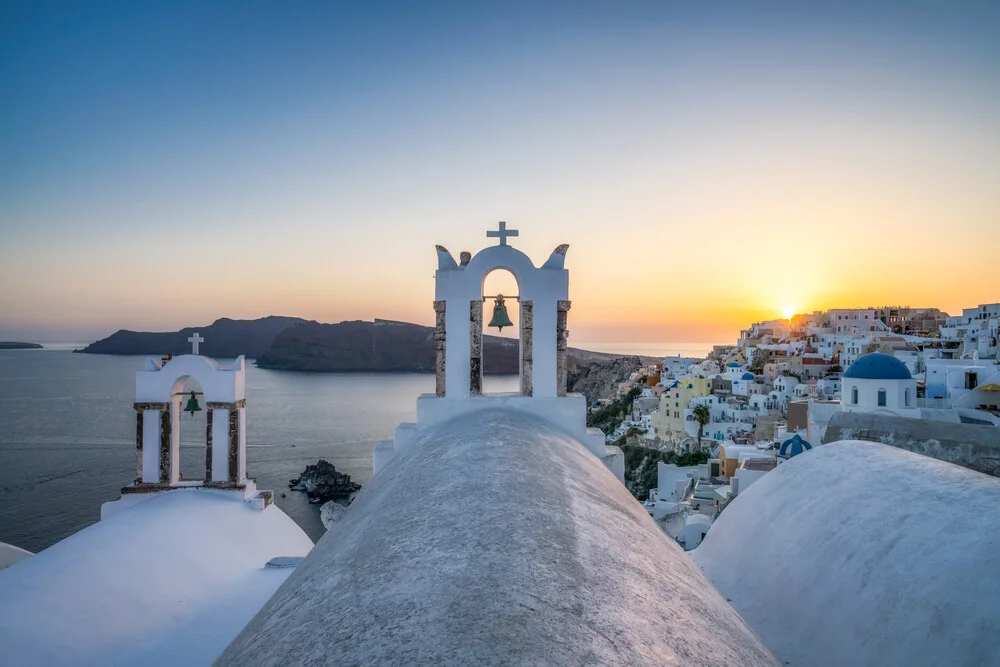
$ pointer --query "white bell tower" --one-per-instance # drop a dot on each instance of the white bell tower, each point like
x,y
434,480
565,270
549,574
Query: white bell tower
x,y
158,405
543,303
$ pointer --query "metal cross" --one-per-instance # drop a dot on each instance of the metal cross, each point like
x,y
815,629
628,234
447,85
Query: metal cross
x,y
194,340
502,233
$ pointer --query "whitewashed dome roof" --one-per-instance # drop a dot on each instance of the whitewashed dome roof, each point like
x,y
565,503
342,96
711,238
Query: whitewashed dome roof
x,y
496,539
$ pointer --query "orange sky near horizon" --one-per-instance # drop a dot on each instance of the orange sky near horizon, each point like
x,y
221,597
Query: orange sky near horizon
x,y
710,164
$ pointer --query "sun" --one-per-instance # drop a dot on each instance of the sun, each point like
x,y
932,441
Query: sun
x,y
788,312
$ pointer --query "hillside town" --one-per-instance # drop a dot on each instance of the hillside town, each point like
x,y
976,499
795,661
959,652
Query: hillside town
x,y
913,377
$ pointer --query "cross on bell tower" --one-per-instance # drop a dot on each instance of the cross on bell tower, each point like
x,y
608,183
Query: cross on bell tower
x,y
194,340
501,233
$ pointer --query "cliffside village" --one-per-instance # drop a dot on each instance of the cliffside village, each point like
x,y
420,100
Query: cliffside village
x,y
913,377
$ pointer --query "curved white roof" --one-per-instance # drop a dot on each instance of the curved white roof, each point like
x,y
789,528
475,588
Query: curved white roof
x,y
169,581
863,554
496,539
9,555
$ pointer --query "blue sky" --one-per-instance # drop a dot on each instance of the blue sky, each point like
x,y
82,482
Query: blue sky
x,y
302,158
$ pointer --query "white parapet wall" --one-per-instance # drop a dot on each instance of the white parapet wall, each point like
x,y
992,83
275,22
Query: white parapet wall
x,y
567,413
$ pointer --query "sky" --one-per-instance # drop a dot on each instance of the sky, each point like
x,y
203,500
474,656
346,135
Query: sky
x,y
163,164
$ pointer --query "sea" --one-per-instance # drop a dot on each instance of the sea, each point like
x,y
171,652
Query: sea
x,y
67,432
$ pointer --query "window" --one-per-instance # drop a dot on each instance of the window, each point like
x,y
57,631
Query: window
x,y
971,380
906,397
881,398
854,395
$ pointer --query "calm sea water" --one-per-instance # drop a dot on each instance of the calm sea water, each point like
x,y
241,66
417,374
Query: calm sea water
x,y
67,434
652,349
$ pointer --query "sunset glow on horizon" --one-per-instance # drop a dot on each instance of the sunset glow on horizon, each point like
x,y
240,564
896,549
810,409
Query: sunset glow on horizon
x,y
164,165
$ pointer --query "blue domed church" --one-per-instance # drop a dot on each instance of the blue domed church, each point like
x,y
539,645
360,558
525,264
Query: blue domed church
x,y
879,383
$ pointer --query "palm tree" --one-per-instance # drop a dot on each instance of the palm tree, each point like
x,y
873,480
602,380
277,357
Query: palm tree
x,y
702,416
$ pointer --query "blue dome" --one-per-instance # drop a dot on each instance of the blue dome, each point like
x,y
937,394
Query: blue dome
x,y
878,366
733,364
794,446
747,376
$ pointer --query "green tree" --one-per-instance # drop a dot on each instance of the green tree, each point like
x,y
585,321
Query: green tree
x,y
702,416
691,459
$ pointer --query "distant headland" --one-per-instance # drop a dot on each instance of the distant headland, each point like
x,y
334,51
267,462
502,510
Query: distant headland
x,y
13,345
295,344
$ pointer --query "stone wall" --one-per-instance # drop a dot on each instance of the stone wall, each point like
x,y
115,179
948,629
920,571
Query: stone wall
x,y
969,445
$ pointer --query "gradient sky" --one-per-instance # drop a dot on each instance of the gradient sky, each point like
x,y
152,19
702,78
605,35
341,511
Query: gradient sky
x,y
163,164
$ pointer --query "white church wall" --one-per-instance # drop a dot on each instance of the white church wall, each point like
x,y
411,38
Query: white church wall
x,y
459,287
217,383
383,453
457,339
151,446
11,555
175,441
614,460
900,396
568,413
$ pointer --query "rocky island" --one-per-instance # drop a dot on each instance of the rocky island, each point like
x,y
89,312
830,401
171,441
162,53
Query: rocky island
x,y
224,338
294,344
386,346
322,483
13,345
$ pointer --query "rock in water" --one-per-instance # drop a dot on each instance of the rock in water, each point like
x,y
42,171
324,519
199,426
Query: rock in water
x,y
322,482
331,513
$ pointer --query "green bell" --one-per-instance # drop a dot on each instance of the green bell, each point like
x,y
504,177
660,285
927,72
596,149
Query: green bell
x,y
192,405
500,318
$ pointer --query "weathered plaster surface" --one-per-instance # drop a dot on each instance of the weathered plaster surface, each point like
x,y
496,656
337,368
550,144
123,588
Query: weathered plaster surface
x,y
496,540
964,444
165,438
527,346
476,347
862,554
440,347
562,335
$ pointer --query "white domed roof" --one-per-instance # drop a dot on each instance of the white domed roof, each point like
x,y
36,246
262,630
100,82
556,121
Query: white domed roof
x,y
830,573
169,581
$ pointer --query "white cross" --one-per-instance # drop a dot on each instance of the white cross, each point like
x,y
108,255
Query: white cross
x,y
502,233
194,340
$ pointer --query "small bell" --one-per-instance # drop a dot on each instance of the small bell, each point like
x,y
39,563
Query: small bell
x,y
500,318
192,405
